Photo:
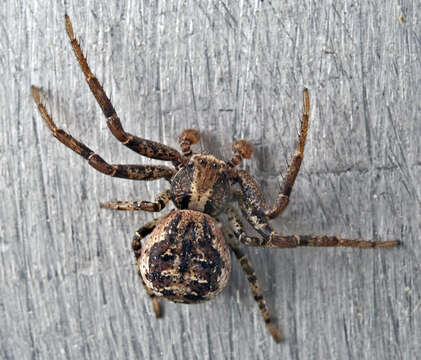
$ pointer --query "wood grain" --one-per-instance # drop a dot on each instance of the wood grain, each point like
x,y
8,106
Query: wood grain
x,y
69,288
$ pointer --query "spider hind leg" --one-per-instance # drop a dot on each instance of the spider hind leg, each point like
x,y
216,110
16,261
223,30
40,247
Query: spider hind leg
x,y
255,287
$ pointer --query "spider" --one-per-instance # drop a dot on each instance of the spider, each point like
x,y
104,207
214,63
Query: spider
x,y
186,255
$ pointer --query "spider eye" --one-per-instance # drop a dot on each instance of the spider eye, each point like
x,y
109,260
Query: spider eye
x,y
214,165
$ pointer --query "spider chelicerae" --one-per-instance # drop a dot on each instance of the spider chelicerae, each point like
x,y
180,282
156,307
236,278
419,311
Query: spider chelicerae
x,y
186,255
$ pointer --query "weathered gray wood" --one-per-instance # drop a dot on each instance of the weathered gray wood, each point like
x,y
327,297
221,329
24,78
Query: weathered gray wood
x,y
69,289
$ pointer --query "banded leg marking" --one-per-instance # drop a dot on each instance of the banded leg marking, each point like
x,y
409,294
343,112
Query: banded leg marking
x,y
133,172
160,202
255,287
295,163
141,146
251,191
238,230
274,240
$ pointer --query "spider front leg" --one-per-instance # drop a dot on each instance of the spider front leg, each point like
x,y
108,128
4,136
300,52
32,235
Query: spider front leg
x,y
134,172
247,183
295,164
160,202
255,287
140,234
143,147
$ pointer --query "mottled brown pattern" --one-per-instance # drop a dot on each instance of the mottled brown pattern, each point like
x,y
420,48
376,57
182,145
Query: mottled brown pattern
x,y
142,232
254,286
133,172
202,185
144,147
144,172
186,257
160,202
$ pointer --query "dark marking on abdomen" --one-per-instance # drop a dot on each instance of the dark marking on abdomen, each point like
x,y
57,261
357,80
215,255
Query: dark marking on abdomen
x,y
184,265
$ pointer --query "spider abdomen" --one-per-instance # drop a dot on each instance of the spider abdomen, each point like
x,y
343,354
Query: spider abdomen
x,y
185,258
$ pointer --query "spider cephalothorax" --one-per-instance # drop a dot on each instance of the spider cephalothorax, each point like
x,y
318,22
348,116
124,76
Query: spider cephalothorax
x,y
185,257
202,185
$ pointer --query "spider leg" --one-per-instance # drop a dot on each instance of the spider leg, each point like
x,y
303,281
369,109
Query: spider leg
x,y
140,234
143,147
270,238
251,189
187,138
134,172
255,287
236,226
160,202
295,163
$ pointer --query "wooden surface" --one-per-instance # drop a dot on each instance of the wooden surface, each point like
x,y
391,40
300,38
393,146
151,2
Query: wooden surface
x,y
231,69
